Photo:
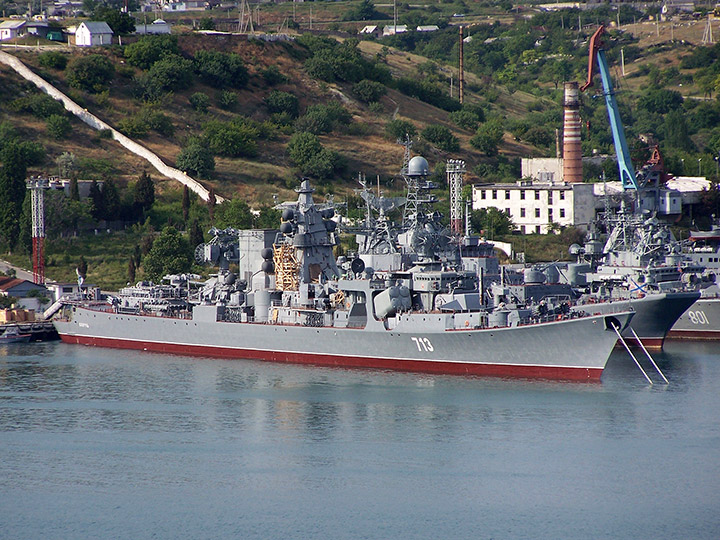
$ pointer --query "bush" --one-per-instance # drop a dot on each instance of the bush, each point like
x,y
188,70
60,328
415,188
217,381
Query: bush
x,y
441,137
465,119
369,91
196,159
158,122
149,49
134,127
200,102
397,129
58,126
272,75
323,118
308,155
40,105
219,69
488,137
53,60
90,73
282,102
232,139
427,92
227,100
170,73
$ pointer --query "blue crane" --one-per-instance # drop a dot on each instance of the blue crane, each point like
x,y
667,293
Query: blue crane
x,y
597,58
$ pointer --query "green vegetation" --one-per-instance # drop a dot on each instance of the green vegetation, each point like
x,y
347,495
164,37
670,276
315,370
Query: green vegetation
x,y
90,73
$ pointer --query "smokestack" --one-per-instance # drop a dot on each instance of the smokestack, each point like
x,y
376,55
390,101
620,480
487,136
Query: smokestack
x,y
572,150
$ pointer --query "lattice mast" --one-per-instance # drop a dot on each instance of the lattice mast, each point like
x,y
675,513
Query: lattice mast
x,y
37,187
455,170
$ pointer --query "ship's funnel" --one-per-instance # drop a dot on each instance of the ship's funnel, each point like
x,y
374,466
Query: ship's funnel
x,y
572,150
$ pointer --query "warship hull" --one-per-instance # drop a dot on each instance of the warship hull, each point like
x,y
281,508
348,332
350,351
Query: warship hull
x,y
701,321
570,349
655,315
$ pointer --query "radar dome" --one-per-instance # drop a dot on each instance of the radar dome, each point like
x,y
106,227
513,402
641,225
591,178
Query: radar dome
x,y
418,166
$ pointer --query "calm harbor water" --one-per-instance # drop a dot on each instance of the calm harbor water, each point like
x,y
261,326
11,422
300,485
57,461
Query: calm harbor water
x,y
98,443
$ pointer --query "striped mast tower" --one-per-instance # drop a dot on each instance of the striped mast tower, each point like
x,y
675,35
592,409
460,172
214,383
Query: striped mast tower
x,y
37,187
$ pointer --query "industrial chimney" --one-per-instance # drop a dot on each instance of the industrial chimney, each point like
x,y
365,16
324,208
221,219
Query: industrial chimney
x,y
572,150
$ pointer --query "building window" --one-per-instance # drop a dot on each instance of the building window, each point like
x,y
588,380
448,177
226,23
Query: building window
x,y
549,197
482,194
562,212
494,193
537,229
507,211
522,212
562,195
537,212
537,195
522,229
549,214
507,195
522,194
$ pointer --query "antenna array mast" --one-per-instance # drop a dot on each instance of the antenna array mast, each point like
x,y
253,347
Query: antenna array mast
x,y
37,187
455,170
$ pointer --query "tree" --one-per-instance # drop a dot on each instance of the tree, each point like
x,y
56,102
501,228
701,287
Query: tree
x,y
97,201
149,49
12,190
66,164
170,254
131,270
196,159
111,200
487,138
171,72
368,91
58,126
90,73
282,102
491,222
120,23
233,213
441,137
82,267
219,69
144,192
74,190
185,204
196,235
398,129
53,60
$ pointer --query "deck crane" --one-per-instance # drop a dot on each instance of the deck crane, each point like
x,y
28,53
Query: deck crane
x,y
597,58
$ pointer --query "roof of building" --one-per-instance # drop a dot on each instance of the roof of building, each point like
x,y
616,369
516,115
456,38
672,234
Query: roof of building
x,y
98,27
428,28
683,184
369,29
8,283
12,24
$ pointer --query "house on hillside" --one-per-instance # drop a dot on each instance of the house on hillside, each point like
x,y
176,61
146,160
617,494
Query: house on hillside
x,y
12,29
428,28
45,31
395,29
91,34
184,5
27,293
156,27
371,30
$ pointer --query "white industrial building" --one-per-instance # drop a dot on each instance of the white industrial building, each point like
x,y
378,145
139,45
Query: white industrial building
x,y
534,207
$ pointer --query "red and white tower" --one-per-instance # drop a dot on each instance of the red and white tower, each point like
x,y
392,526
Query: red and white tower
x,y
455,170
37,187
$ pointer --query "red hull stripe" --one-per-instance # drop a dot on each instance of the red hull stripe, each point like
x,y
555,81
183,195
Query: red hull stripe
x,y
449,368
655,344
694,334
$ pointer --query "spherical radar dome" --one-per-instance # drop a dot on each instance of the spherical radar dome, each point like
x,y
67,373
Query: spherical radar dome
x,y
418,166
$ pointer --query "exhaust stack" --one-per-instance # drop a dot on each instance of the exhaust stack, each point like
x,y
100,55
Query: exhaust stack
x,y
572,150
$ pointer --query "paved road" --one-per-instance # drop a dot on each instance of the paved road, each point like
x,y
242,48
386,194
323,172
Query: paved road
x,y
19,272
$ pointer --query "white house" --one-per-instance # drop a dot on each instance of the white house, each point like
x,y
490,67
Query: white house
x,y
392,30
427,28
371,30
90,34
156,27
11,29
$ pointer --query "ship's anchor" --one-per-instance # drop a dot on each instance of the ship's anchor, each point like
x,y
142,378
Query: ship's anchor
x,y
627,348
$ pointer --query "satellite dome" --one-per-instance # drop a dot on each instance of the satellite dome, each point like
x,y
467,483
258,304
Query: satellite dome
x,y
418,166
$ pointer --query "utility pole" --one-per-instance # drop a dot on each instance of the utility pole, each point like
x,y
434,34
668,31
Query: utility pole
x,y
461,79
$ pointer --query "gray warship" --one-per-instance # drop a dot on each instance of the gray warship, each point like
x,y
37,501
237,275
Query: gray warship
x,y
300,306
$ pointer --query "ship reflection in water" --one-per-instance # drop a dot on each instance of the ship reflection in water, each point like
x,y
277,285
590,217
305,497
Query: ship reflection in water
x,y
107,443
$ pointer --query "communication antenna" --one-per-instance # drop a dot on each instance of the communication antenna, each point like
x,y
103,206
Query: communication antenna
x,y
245,18
455,170
707,35
37,187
